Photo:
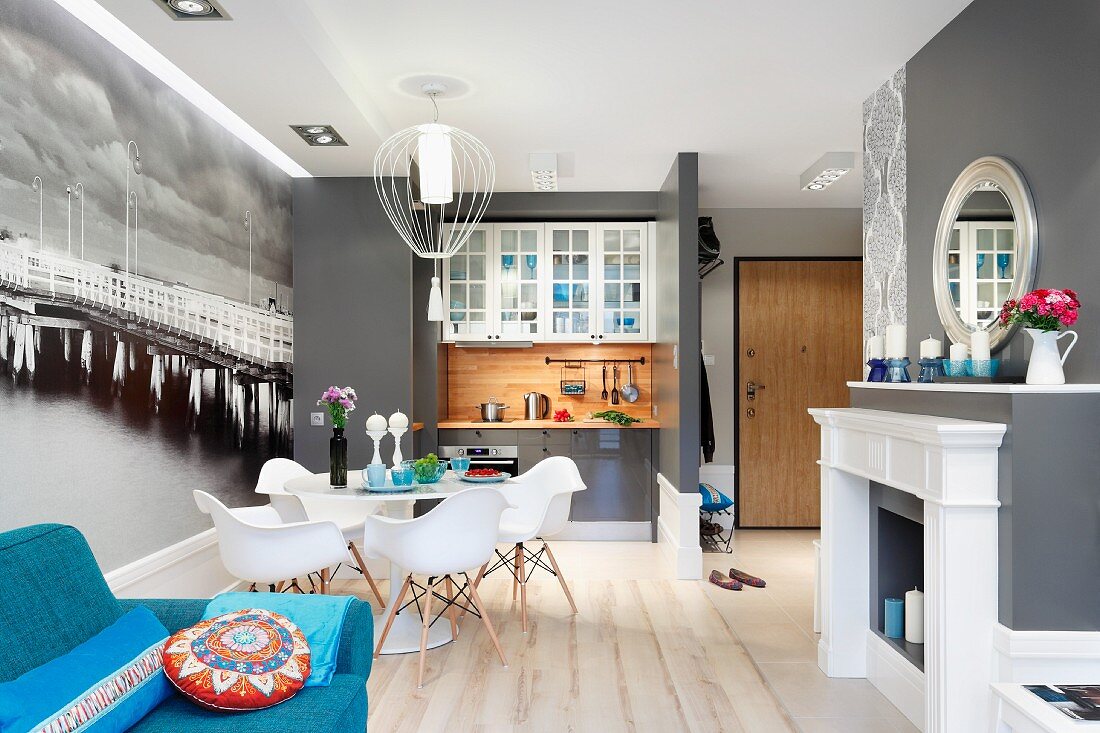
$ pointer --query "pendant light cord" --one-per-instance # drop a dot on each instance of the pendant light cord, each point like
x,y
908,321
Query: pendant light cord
x,y
435,117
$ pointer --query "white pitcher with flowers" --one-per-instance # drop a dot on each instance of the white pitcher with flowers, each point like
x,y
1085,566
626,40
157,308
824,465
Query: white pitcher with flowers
x,y
1043,313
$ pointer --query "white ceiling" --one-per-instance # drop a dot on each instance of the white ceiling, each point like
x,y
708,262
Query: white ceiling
x,y
760,89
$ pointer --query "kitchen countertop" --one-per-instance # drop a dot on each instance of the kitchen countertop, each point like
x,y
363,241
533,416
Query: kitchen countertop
x,y
542,424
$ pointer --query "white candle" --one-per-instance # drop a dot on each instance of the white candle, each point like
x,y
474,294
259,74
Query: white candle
x,y
399,420
979,346
876,348
895,341
959,352
931,348
376,423
914,617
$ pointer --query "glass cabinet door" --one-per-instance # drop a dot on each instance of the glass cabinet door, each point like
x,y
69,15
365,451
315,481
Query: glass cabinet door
x,y
467,287
518,263
623,280
571,251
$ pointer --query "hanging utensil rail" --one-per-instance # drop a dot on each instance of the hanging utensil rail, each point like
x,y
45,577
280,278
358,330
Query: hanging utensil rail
x,y
605,362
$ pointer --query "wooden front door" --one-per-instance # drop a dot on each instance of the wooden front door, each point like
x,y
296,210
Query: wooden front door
x,y
800,327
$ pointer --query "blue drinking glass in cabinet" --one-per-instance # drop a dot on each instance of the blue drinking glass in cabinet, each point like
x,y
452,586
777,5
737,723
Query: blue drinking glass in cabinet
x,y
1002,264
981,264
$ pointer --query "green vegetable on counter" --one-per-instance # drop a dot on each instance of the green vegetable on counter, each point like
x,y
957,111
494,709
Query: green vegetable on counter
x,y
615,416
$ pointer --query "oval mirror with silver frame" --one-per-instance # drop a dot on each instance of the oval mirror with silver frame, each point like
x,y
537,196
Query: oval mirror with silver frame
x,y
987,250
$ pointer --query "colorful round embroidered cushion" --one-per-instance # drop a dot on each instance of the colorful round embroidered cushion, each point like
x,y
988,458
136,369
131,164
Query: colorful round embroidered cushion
x,y
245,660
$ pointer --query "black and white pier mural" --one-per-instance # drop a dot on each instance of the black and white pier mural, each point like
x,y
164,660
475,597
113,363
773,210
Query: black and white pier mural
x,y
146,300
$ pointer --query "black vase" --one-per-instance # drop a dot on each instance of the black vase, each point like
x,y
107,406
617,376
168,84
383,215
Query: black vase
x,y
338,458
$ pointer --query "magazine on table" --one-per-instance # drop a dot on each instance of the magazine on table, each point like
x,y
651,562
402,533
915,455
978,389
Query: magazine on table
x,y
1079,702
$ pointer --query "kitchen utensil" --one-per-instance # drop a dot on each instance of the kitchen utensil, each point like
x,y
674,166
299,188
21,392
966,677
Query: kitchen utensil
x,y
603,395
536,406
504,476
492,411
615,384
629,391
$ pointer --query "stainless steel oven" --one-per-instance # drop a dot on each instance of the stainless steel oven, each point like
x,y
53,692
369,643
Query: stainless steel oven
x,y
500,457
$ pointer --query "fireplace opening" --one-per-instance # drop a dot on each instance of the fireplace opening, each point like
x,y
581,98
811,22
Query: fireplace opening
x,y
897,558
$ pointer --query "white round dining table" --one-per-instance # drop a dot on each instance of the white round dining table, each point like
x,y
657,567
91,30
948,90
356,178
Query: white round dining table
x,y
404,636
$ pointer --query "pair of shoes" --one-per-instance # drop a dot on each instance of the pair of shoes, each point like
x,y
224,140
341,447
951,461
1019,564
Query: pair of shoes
x,y
724,582
747,579
709,528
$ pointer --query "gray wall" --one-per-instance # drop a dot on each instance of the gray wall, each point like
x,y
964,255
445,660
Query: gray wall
x,y
759,233
1014,78
354,315
676,386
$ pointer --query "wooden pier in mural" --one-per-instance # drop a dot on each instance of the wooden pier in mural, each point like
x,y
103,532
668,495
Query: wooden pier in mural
x,y
143,331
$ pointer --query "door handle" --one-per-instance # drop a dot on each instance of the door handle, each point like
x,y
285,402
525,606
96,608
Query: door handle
x,y
751,388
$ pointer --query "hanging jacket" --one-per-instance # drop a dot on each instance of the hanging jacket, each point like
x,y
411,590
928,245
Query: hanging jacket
x,y
706,432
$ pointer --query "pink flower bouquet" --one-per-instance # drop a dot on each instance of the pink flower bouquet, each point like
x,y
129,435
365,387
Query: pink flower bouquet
x,y
1045,310
339,401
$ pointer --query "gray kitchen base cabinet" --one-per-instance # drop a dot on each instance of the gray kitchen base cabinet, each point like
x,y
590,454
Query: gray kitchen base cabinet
x,y
616,466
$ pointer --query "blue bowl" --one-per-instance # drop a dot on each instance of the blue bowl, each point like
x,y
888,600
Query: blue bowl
x,y
460,465
984,367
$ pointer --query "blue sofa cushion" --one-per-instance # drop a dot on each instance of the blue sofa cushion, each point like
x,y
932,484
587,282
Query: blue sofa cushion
x,y
321,619
109,682
49,580
342,706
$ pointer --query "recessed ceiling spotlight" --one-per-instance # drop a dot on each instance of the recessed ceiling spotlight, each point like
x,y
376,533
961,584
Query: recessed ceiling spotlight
x,y
827,170
193,9
544,171
323,136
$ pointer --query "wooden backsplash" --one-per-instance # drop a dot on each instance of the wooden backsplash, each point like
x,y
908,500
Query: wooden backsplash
x,y
475,375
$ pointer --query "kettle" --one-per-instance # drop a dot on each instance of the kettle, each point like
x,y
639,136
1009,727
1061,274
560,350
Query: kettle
x,y
536,406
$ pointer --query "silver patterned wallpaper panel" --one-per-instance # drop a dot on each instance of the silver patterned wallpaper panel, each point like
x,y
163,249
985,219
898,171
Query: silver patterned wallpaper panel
x,y
884,247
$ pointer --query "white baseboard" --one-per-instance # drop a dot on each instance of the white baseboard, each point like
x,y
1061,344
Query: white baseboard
x,y
1058,657
678,529
188,569
896,678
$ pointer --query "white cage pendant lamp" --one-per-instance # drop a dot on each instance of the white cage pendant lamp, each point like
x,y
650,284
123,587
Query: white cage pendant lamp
x,y
435,182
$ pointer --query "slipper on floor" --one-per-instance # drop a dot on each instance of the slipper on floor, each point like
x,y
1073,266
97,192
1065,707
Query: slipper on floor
x,y
723,582
747,579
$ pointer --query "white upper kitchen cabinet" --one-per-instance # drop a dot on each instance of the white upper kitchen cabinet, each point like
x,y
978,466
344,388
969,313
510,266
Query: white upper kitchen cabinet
x,y
567,281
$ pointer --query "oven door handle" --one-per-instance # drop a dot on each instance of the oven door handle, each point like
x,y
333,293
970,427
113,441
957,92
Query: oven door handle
x,y
493,463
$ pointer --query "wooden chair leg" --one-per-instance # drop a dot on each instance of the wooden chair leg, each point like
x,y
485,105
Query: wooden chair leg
x,y
488,624
252,588
425,623
324,581
279,586
453,610
366,574
515,574
561,578
392,615
522,583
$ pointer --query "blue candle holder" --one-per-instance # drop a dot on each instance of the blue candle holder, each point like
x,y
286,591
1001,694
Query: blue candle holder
x,y
895,618
878,370
897,370
929,370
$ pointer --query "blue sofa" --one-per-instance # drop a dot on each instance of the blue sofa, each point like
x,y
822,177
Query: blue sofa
x,y
53,597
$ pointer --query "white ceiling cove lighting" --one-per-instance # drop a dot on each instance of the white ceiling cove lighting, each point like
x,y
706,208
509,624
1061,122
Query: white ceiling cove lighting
x,y
827,170
544,171
434,182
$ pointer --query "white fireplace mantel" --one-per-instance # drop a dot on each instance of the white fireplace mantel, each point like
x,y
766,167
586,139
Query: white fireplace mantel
x,y
952,466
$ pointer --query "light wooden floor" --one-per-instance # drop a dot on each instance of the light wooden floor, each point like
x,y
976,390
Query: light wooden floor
x,y
645,653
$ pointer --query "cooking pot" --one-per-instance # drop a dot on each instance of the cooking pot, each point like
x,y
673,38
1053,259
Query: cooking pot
x,y
492,411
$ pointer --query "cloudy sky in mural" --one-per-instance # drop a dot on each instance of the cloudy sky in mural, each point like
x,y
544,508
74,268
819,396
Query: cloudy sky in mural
x,y
69,104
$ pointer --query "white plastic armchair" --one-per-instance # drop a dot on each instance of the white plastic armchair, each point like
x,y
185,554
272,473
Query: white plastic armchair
x,y
454,537
266,554
541,498
346,514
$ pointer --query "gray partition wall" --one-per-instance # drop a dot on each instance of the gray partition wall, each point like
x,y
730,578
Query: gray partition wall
x,y
353,313
676,355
